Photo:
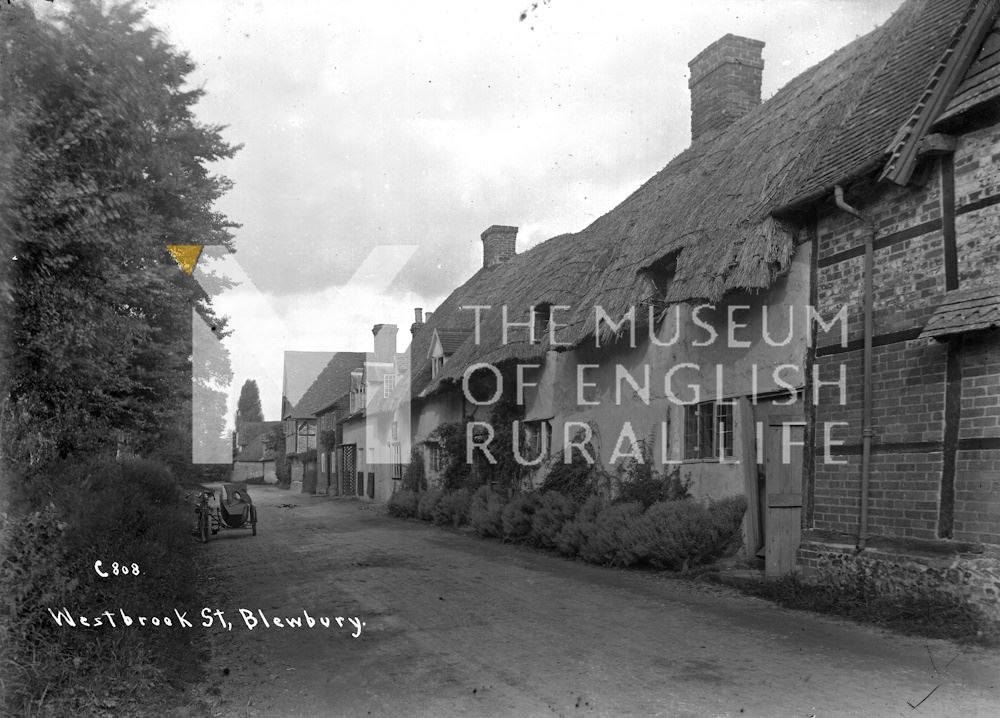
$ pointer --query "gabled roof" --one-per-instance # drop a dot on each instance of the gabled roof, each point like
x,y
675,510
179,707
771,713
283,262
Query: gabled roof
x,y
299,372
964,311
450,340
982,81
331,383
716,206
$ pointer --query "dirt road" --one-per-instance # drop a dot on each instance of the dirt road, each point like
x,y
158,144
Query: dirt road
x,y
455,625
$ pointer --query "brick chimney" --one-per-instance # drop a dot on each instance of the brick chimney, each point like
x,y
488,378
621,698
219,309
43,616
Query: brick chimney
x,y
418,320
725,83
499,244
385,342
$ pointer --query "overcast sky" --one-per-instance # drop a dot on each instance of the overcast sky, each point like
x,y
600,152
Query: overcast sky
x,y
422,123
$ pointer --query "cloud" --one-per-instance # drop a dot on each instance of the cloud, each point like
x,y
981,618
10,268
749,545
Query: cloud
x,y
424,123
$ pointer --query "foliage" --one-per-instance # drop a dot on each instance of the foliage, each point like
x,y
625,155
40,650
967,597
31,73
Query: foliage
x,y
576,479
575,534
609,541
275,443
922,610
485,512
453,508
428,501
673,535
506,473
516,517
414,475
403,504
248,405
125,512
553,512
328,439
727,521
103,165
451,438
642,483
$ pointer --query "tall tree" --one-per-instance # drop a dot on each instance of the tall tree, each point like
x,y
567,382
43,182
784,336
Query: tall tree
x,y
248,405
104,165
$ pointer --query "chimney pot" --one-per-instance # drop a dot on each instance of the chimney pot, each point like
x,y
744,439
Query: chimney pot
x,y
725,83
499,244
418,316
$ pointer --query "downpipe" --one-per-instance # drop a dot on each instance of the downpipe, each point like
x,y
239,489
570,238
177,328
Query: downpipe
x,y
866,402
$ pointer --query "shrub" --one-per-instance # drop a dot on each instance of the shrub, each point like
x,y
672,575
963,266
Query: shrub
x,y
553,512
611,543
485,512
576,533
67,516
648,487
673,535
516,517
577,479
453,508
727,518
428,501
403,504
414,476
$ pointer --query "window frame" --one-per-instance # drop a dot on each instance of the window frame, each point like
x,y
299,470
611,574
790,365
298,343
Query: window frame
x,y
701,427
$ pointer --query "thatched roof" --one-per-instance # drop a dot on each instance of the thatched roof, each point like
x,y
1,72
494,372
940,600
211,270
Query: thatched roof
x,y
713,207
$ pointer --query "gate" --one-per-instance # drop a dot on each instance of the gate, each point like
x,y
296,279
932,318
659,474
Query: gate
x,y
348,460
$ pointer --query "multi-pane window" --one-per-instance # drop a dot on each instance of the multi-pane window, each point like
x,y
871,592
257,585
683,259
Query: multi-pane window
x,y
537,439
388,385
437,364
708,430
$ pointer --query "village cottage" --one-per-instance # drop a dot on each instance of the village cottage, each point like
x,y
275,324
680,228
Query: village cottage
x,y
801,307
326,378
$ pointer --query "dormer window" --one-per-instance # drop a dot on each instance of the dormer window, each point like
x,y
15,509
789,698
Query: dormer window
x,y
661,273
437,364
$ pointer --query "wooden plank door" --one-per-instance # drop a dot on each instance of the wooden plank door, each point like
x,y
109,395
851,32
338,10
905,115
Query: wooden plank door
x,y
784,435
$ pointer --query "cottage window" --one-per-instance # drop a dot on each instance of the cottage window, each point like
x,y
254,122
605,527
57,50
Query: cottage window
x,y
708,430
537,439
435,458
437,364
388,385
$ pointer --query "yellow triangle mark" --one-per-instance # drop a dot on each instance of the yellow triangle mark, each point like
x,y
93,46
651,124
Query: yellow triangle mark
x,y
186,255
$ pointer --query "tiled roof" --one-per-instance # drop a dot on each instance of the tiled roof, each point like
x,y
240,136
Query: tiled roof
x,y
964,311
332,383
982,81
452,339
300,372
910,45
